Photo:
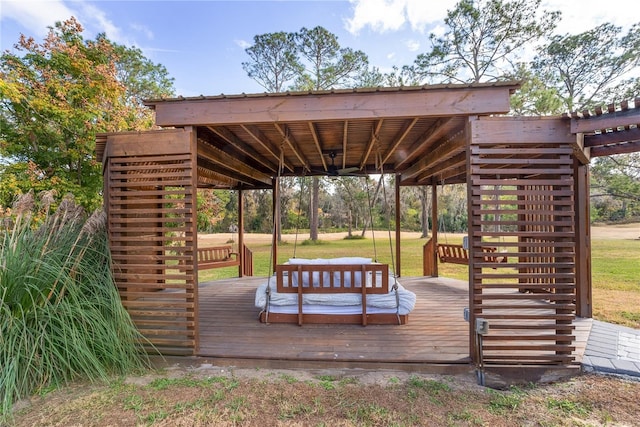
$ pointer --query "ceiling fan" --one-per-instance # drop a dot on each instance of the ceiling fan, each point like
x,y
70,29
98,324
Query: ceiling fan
x,y
333,170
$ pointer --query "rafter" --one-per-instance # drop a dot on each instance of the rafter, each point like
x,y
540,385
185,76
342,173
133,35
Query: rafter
x,y
316,141
219,157
399,138
291,142
442,168
443,151
257,135
372,141
230,138
426,139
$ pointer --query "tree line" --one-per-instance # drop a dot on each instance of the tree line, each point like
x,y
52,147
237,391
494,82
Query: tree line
x,y
56,95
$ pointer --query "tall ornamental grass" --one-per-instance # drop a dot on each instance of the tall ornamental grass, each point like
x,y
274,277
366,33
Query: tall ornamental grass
x,y
60,313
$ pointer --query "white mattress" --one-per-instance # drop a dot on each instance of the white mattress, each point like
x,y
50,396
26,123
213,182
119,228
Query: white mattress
x,y
336,303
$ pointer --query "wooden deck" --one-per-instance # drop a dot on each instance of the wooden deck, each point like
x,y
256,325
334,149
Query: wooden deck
x,y
436,339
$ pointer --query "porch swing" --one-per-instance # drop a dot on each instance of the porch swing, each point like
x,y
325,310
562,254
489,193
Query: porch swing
x,y
459,254
346,290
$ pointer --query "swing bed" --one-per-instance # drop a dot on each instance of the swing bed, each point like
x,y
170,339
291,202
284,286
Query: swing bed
x,y
348,290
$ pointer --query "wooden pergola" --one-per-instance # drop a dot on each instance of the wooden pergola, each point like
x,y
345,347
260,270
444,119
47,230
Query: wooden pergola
x,y
526,177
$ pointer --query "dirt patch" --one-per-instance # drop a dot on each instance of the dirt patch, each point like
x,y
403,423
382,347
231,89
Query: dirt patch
x,y
621,231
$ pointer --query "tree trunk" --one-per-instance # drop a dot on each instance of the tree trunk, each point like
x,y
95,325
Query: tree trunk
x,y
424,215
315,202
370,208
349,219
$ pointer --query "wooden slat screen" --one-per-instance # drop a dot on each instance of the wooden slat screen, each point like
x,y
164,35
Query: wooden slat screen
x,y
522,201
150,205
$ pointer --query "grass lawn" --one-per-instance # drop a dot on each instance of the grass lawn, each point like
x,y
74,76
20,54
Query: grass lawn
x,y
615,266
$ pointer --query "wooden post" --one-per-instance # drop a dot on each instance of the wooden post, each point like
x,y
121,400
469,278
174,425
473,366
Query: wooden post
x,y
434,224
193,233
274,239
474,351
241,257
584,306
398,263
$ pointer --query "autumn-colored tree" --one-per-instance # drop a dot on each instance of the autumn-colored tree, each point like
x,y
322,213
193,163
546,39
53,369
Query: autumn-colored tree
x,y
56,96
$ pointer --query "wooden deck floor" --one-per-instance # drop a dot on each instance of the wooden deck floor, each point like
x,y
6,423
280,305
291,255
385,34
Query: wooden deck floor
x,y
436,339
436,334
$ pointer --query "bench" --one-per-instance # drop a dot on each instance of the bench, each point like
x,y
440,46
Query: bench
x,y
457,254
217,257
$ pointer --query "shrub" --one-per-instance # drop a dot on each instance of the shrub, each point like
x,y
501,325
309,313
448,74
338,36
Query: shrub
x,y
61,313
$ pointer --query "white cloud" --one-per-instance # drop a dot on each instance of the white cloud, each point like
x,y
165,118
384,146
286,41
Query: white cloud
x,y
592,13
392,15
141,28
380,15
242,43
412,45
97,21
35,16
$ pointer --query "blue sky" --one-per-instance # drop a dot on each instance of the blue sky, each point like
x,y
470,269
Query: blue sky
x,y
202,42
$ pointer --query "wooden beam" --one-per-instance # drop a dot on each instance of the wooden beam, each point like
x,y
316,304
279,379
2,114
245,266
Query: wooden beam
x,y
230,138
212,178
399,138
148,143
627,135
455,162
426,139
608,150
442,151
612,120
316,141
348,105
219,157
291,142
372,141
582,153
521,130
258,136
217,169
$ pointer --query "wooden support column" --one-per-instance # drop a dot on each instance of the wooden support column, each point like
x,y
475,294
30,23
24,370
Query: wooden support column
x,y
241,256
274,238
434,224
584,306
472,236
398,261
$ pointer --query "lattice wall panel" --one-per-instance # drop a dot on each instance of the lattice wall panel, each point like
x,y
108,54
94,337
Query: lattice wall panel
x,y
151,201
522,204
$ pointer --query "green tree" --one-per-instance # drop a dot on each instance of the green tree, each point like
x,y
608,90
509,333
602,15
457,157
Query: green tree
x,y
274,60
482,40
327,64
56,96
535,97
615,185
586,66
142,79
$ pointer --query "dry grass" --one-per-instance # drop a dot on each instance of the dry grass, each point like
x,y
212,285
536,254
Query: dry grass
x,y
212,396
